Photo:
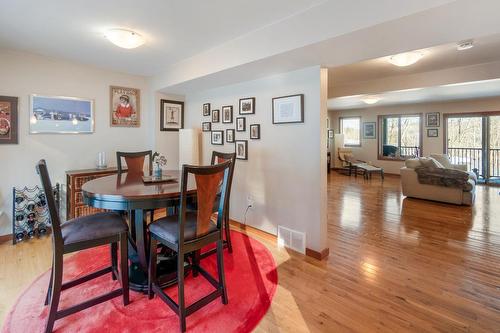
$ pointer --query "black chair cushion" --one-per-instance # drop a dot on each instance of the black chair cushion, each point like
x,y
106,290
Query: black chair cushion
x,y
93,227
166,228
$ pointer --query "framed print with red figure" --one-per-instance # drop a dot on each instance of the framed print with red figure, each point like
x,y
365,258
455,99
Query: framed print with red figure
x,y
8,120
125,106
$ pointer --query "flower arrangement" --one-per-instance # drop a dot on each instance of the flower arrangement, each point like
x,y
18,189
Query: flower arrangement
x,y
159,161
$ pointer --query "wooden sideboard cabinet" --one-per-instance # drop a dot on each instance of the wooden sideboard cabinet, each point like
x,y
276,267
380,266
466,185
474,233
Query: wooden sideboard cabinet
x,y
74,199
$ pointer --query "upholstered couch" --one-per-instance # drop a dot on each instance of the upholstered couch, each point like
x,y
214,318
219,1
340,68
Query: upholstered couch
x,y
413,188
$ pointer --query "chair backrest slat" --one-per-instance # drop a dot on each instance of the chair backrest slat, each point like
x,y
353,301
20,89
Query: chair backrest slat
x,y
208,179
219,157
134,161
55,221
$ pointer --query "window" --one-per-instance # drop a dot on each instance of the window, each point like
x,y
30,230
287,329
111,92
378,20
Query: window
x,y
351,128
401,136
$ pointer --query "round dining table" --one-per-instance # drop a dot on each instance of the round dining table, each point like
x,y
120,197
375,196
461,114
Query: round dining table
x,y
139,196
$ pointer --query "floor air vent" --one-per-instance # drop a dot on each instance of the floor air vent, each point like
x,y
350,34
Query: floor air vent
x,y
292,239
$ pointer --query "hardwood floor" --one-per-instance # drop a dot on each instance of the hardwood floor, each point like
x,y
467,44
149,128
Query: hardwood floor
x,y
395,265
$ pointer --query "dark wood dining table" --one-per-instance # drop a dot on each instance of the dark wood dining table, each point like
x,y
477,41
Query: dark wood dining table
x,y
129,193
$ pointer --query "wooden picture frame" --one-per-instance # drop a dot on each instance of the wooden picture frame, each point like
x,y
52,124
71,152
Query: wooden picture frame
x,y
370,130
247,106
206,126
125,107
230,135
227,114
241,148
432,119
254,131
288,109
206,109
432,132
9,120
241,124
217,138
215,116
171,115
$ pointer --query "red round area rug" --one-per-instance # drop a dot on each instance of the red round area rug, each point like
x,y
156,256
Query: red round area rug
x,y
251,278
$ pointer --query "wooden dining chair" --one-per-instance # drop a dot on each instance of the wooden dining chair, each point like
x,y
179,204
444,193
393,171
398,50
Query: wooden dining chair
x,y
79,234
189,232
134,161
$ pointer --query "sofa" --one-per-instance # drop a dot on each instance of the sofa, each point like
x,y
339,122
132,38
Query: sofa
x,y
454,195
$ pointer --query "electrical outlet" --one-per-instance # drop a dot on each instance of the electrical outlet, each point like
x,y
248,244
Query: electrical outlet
x,y
250,201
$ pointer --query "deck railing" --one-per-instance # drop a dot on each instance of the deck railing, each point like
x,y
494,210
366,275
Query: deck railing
x,y
473,158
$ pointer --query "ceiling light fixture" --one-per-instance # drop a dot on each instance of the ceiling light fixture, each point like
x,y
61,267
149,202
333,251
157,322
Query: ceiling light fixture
x,y
465,45
406,59
124,38
371,99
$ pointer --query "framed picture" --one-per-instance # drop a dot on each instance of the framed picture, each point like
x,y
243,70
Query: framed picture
x,y
230,135
227,114
215,116
206,126
432,119
247,105
206,109
61,115
288,109
171,115
370,130
217,137
8,120
125,104
432,132
240,124
255,131
241,149
330,134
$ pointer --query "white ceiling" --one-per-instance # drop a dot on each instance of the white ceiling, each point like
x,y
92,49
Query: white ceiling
x,y
174,29
486,49
448,92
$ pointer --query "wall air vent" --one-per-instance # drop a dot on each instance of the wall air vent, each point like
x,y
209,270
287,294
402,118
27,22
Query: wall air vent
x,y
293,239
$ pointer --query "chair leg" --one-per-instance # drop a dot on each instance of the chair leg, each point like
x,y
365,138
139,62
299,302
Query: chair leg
x,y
49,290
228,233
124,267
220,269
180,285
152,266
196,262
114,259
55,292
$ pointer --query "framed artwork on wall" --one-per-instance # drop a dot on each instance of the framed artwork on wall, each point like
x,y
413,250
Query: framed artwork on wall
x,y
370,130
206,109
240,124
288,109
247,105
217,137
255,131
61,115
227,114
206,126
432,119
215,116
125,105
8,120
230,135
241,149
432,132
171,115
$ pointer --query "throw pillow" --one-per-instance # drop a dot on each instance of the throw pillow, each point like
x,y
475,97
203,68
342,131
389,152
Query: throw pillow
x,y
429,162
443,159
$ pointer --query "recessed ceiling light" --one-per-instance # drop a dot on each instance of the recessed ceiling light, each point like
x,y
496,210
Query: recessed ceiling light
x,y
370,99
465,45
124,38
406,59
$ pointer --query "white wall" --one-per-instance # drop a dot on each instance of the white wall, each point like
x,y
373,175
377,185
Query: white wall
x,y
368,149
23,74
286,169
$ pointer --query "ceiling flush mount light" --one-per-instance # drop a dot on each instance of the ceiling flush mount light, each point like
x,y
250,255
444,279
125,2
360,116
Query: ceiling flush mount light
x,y
406,59
370,99
124,38
465,45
